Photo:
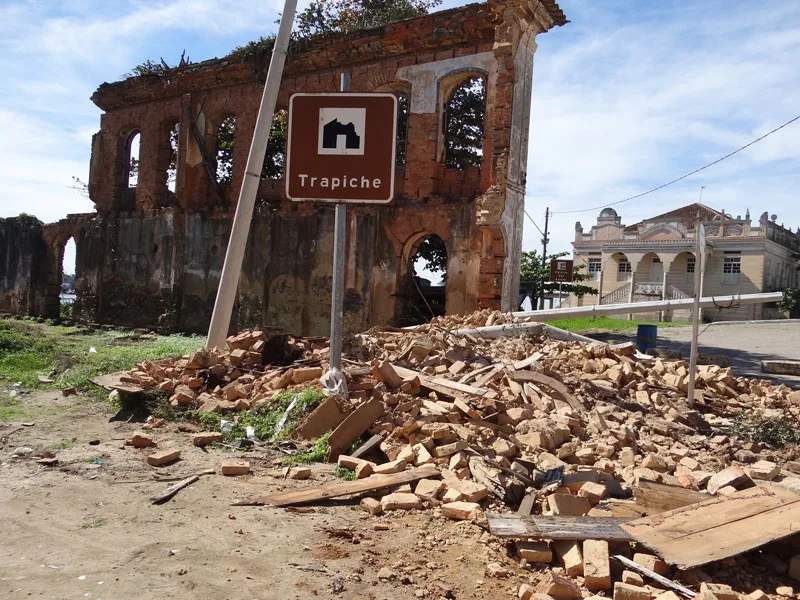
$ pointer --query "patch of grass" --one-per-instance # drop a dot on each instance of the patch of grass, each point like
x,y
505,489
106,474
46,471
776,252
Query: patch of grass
x,y
778,431
93,523
28,350
345,473
265,418
318,452
10,409
64,444
208,421
601,324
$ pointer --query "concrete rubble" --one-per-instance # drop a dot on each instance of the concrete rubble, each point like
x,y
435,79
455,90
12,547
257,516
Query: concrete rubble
x,y
501,418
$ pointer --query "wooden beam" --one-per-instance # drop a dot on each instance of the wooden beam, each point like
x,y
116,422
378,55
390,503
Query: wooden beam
x,y
558,528
343,488
440,384
550,382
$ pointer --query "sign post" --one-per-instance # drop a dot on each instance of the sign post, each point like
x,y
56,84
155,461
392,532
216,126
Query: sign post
x,y
700,261
341,149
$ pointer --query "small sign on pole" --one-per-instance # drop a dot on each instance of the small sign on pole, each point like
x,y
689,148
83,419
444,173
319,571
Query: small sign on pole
x,y
560,271
340,149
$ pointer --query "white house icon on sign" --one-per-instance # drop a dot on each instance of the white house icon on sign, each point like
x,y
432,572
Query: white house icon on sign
x,y
341,131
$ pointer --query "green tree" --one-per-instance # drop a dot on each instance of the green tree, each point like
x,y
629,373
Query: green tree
x,y
345,16
535,275
433,251
464,119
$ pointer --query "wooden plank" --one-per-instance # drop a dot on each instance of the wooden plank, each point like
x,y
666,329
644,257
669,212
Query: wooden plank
x,y
623,508
557,528
370,444
553,384
440,384
473,374
356,423
527,362
111,381
695,535
343,488
659,497
660,579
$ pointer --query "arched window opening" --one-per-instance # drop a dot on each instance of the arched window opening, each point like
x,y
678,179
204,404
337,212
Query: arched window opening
x,y
465,113
132,160
226,138
424,292
172,167
403,108
275,156
67,295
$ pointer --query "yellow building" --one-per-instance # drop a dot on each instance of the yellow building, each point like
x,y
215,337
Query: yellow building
x,y
655,259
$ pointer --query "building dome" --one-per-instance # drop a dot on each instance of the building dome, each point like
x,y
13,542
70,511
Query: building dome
x,y
608,213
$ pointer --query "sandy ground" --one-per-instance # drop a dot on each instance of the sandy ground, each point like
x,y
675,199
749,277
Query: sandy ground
x,y
86,529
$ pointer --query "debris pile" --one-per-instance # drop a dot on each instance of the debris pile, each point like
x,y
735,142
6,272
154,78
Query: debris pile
x,y
576,438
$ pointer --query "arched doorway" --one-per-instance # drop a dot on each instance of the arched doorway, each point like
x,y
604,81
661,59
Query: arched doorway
x,y
423,281
68,293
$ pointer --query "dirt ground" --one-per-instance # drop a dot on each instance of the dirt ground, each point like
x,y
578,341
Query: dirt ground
x,y
85,528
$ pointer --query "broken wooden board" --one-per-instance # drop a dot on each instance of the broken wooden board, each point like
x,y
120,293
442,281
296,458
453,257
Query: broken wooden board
x,y
658,497
440,384
553,384
343,488
112,382
719,528
356,423
527,362
558,528
369,445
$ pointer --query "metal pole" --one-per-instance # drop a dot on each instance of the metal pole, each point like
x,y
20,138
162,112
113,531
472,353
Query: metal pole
x,y
232,268
334,381
544,255
560,300
698,270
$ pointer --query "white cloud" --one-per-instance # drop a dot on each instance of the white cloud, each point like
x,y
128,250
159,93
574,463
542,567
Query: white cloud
x,y
627,100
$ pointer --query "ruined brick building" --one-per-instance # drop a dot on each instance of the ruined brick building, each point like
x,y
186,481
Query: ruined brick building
x,y
152,254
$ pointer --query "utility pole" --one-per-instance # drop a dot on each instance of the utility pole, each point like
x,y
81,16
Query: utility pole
x,y
232,268
545,239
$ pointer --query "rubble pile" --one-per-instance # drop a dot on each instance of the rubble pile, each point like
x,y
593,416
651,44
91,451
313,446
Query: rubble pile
x,y
522,423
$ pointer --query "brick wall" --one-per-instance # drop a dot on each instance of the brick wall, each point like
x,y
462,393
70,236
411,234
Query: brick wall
x,y
157,256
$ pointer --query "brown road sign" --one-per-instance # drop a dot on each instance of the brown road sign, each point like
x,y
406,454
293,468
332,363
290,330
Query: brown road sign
x,y
341,147
561,271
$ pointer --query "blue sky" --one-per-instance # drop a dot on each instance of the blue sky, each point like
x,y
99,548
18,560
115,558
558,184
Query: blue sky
x,y
626,96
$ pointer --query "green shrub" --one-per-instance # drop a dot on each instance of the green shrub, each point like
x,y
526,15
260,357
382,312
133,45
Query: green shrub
x,y
778,431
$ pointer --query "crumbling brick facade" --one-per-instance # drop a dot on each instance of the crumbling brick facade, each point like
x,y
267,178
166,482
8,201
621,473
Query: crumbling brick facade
x,y
156,254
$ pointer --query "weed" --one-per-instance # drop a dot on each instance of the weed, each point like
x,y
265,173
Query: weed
x,y
208,421
93,523
264,418
65,444
779,431
345,473
318,452
10,409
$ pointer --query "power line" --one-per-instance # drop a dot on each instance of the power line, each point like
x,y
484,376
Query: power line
x,y
661,187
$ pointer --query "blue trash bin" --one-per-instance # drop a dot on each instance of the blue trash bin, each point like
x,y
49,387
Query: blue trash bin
x,y
646,336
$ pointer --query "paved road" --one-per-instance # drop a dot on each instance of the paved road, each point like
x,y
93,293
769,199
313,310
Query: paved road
x,y
746,344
